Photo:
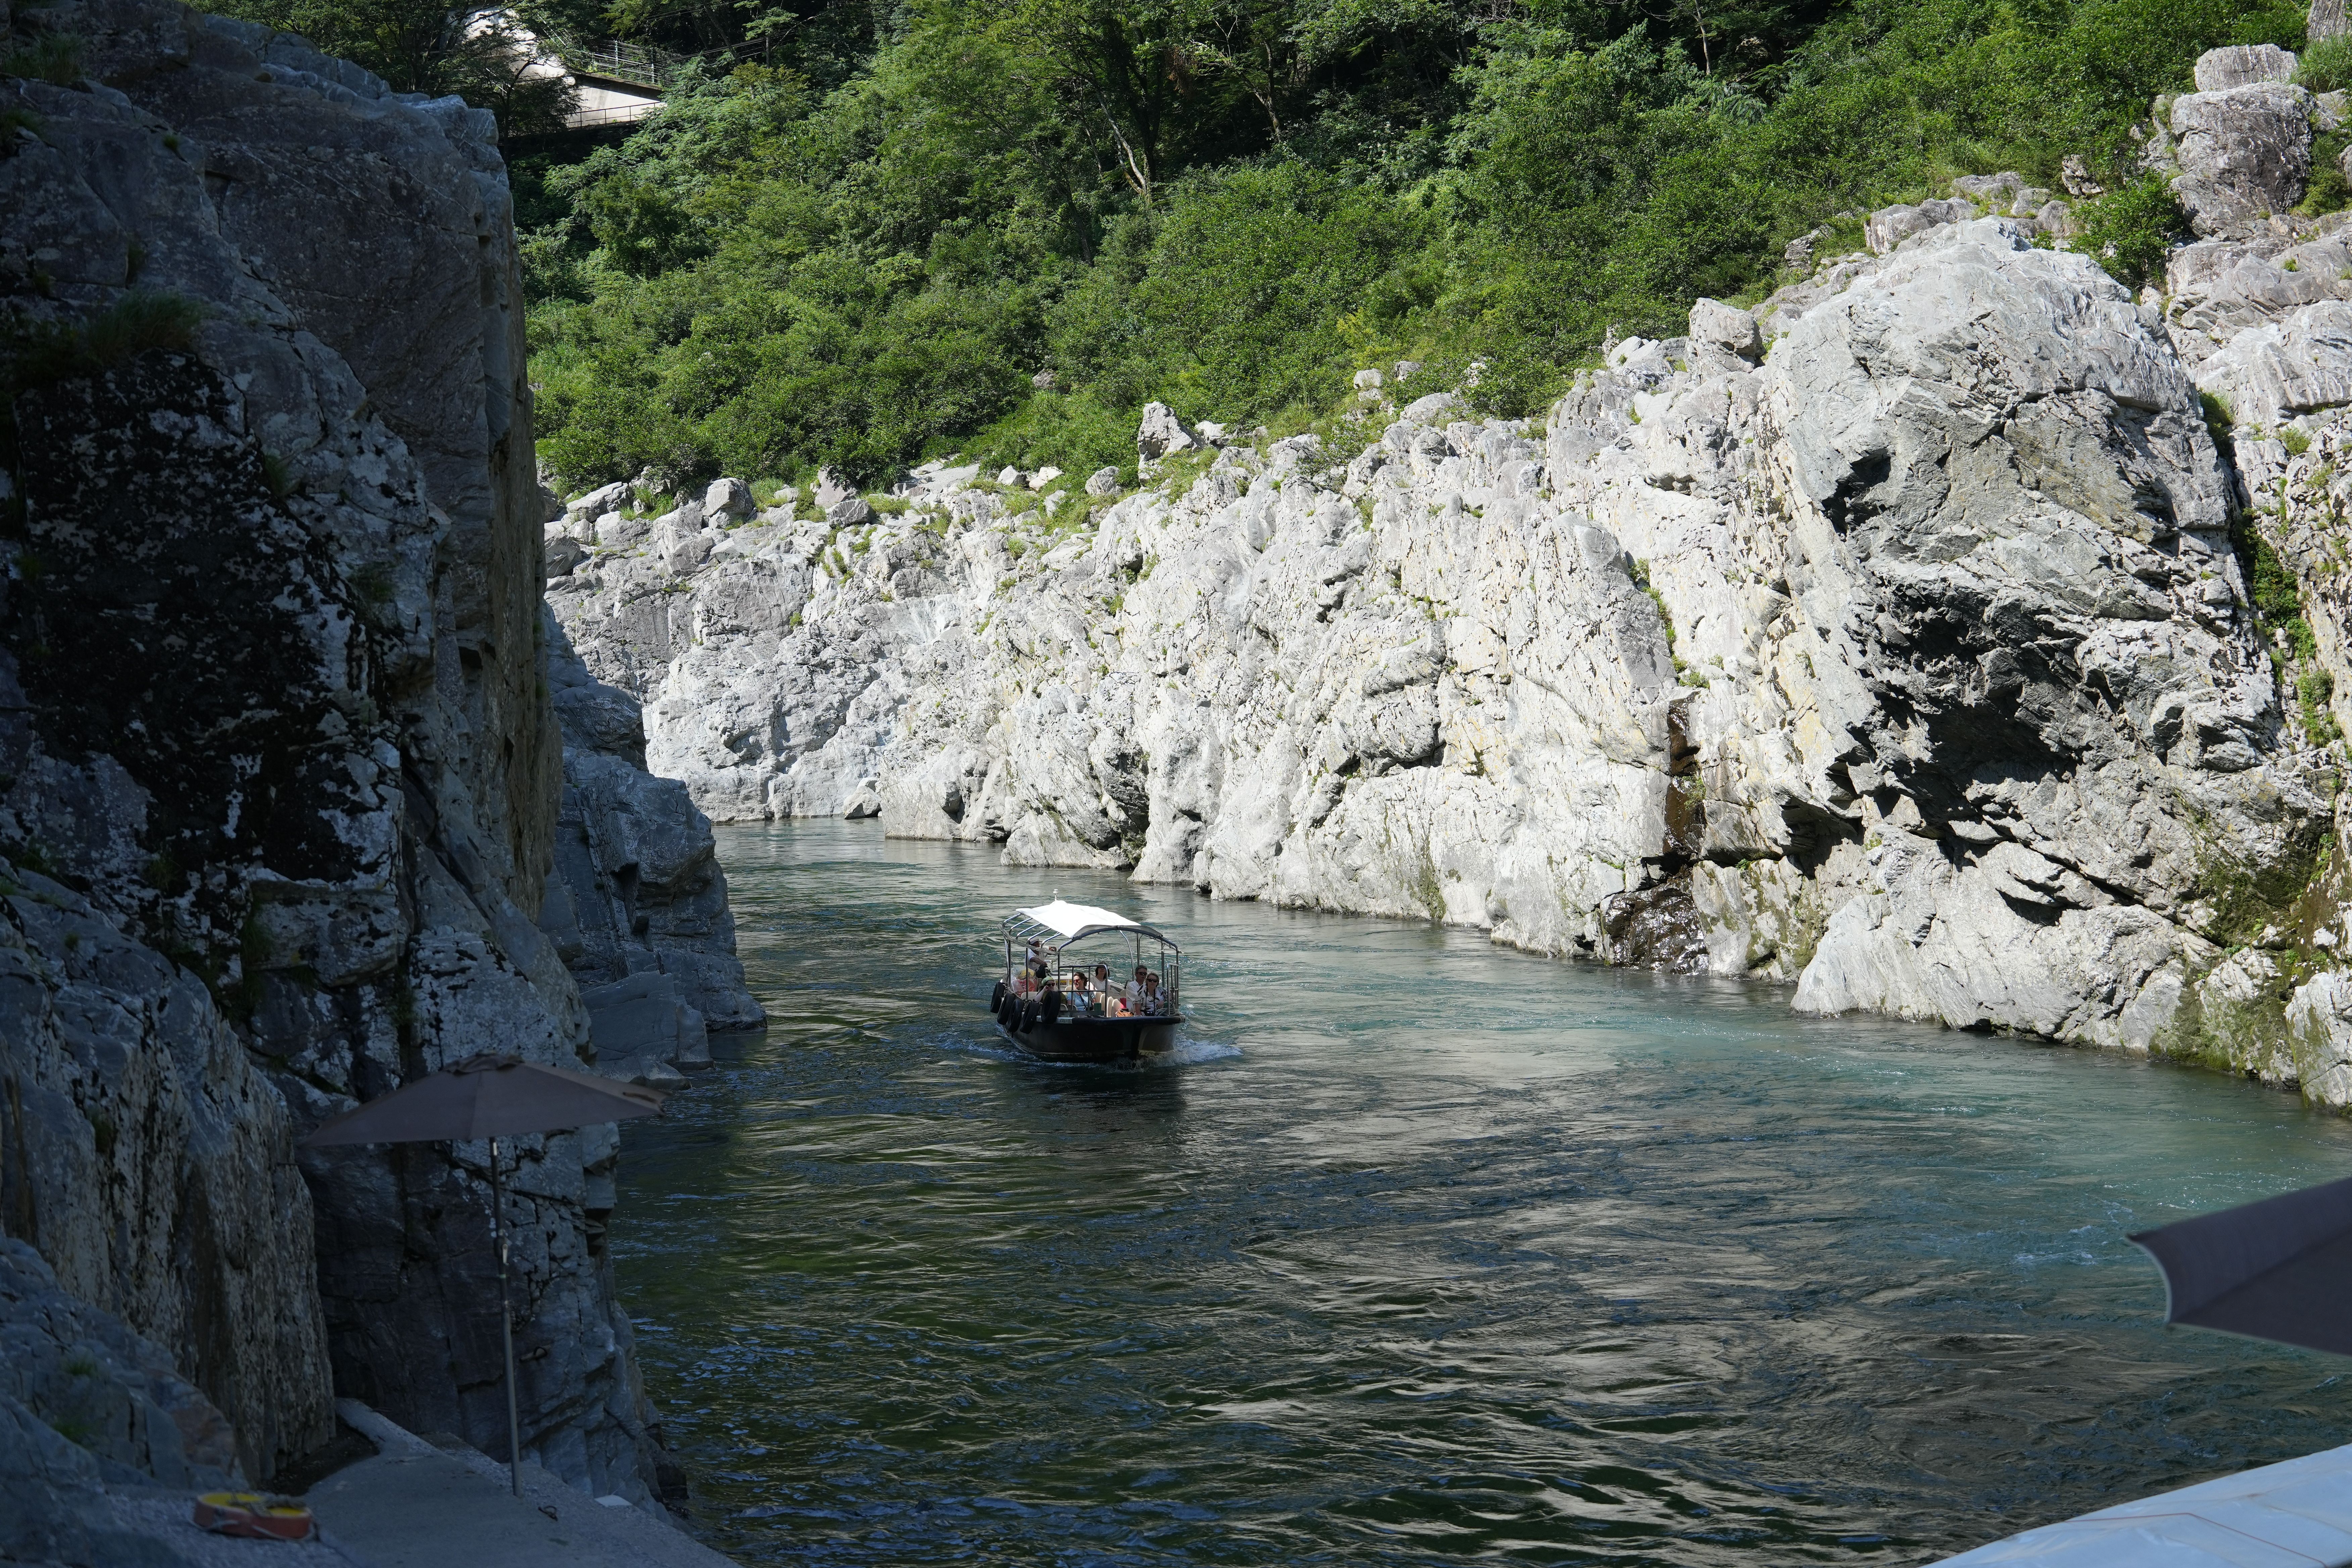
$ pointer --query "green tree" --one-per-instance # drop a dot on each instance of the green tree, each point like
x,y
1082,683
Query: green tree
x,y
432,46
863,252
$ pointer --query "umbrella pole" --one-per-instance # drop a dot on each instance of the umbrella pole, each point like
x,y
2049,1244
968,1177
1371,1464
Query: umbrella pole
x,y
505,1332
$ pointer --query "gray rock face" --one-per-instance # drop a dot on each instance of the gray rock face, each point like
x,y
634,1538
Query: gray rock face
x,y
1162,434
2218,288
2075,178
638,893
832,488
80,1371
2244,154
614,497
1727,327
1890,226
148,1160
281,782
2296,365
1913,664
2219,70
2291,1020
645,1029
729,498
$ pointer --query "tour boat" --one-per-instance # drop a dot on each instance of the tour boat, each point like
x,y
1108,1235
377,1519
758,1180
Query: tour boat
x,y
1051,1017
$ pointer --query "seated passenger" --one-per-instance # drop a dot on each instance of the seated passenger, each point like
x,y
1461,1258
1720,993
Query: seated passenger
x,y
1153,1002
1081,996
1135,992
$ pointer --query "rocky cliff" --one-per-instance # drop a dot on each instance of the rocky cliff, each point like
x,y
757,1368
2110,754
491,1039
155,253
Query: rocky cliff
x,y
282,784
1907,637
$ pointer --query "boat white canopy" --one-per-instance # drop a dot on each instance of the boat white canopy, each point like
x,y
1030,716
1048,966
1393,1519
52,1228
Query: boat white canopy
x,y
1070,922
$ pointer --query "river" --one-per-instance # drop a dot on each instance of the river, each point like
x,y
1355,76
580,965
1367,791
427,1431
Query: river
x,y
1423,1251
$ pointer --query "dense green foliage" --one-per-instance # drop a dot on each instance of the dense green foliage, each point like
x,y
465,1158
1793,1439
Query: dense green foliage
x,y
2326,66
425,45
2132,227
999,226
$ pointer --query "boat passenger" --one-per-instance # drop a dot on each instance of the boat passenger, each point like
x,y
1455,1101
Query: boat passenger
x,y
1135,992
1082,998
1152,1000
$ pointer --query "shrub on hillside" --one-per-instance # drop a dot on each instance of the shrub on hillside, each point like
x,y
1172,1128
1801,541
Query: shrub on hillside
x,y
2130,230
2326,66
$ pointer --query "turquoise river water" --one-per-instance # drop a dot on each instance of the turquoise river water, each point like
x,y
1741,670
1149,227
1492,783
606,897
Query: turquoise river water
x,y
1421,1251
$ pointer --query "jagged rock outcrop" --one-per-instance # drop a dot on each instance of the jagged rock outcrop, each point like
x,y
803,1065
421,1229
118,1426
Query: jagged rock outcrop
x,y
1914,664
639,907
78,1370
2244,154
281,777
86,1407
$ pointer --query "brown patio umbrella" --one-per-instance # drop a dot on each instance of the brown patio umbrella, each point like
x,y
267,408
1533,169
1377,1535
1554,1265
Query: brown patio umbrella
x,y
2278,1269
491,1097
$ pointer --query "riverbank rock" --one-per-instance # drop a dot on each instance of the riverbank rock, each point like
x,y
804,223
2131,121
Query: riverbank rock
x,y
638,890
1914,664
281,775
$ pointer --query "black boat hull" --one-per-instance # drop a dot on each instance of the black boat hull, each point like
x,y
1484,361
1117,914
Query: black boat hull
x,y
1094,1039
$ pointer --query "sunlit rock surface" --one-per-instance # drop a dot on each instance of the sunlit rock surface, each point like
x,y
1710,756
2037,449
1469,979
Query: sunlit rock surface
x,y
1914,664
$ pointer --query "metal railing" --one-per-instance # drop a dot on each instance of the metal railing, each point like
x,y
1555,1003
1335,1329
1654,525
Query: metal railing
x,y
613,114
615,60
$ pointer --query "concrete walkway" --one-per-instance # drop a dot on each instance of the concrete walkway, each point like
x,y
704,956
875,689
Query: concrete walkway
x,y
416,1506
2294,1515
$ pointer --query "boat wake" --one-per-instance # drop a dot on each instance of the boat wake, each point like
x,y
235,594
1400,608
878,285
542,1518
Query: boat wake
x,y
1187,1052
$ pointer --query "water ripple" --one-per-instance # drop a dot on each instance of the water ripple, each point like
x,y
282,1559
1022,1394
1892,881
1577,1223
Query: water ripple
x,y
1418,1252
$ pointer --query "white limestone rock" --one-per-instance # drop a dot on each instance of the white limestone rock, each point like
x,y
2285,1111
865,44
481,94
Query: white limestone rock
x,y
832,487
1913,663
1727,327
2296,366
563,552
1162,434
2244,65
1890,226
728,501
2244,154
614,497
2217,289
2319,1023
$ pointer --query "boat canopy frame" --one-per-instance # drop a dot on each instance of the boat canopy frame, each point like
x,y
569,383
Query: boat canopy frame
x,y
1074,923
1059,925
